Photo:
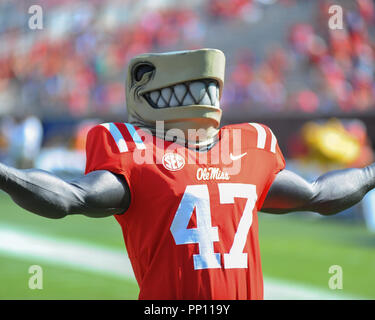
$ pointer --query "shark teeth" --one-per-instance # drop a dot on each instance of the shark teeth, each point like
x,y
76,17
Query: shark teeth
x,y
199,92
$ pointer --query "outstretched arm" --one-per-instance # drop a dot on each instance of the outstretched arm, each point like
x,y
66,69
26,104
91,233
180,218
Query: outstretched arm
x,y
98,194
329,194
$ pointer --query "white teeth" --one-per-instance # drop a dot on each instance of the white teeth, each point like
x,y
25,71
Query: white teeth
x,y
212,92
174,102
154,95
188,101
198,90
166,94
217,104
179,91
162,104
206,100
189,93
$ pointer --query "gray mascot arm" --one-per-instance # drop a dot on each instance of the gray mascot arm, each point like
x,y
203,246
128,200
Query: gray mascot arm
x,y
98,194
329,194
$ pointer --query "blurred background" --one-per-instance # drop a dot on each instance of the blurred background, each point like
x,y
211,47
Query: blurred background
x,y
285,68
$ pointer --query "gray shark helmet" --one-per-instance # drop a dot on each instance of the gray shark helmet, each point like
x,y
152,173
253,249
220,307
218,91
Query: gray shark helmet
x,y
181,88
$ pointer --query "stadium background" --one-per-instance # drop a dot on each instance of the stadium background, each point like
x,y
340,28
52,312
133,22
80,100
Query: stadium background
x,y
313,86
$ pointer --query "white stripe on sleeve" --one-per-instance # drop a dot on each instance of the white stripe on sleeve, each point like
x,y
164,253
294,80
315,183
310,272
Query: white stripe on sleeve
x,y
117,136
261,142
273,142
136,138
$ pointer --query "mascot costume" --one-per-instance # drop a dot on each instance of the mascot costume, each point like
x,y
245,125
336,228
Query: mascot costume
x,y
190,227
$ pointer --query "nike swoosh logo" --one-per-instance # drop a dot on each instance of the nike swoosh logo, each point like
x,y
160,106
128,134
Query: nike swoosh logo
x,y
234,158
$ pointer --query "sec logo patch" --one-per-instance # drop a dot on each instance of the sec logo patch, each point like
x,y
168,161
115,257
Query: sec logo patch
x,y
173,161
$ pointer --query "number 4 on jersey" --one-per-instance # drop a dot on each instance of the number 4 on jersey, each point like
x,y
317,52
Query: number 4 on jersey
x,y
197,197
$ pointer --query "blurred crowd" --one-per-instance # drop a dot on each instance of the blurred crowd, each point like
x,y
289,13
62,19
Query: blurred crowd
x,y
335,69
79,68
76,65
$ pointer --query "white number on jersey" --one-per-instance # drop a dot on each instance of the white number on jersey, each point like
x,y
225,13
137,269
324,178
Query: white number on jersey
x,y
197,197
205,235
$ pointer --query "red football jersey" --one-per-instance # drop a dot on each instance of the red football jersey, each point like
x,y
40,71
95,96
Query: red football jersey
x,y
191,230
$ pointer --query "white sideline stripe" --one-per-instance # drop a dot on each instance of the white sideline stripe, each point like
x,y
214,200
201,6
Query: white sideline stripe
x,y
117,136
262,135
94,258
65,252
276,289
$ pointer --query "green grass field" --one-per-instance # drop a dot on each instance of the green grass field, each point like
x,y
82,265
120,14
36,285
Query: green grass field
x,y
296,248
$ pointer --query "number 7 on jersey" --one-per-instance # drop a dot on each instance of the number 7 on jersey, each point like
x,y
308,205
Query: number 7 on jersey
x,y
197,197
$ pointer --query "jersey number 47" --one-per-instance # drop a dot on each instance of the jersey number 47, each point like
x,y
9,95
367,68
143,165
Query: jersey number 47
x,y
197,197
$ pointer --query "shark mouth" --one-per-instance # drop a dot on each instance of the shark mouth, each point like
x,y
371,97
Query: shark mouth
x,y
199,92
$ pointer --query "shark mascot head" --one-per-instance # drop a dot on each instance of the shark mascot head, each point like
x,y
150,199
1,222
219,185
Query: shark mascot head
x,y
182,89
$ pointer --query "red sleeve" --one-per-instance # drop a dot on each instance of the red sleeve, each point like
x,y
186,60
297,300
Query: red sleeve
x,y
101,151
280,161
279,165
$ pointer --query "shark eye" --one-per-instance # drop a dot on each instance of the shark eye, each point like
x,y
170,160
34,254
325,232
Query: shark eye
x,y
141,69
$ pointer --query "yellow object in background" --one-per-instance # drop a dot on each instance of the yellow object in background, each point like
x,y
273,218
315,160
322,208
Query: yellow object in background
x,y
331,142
